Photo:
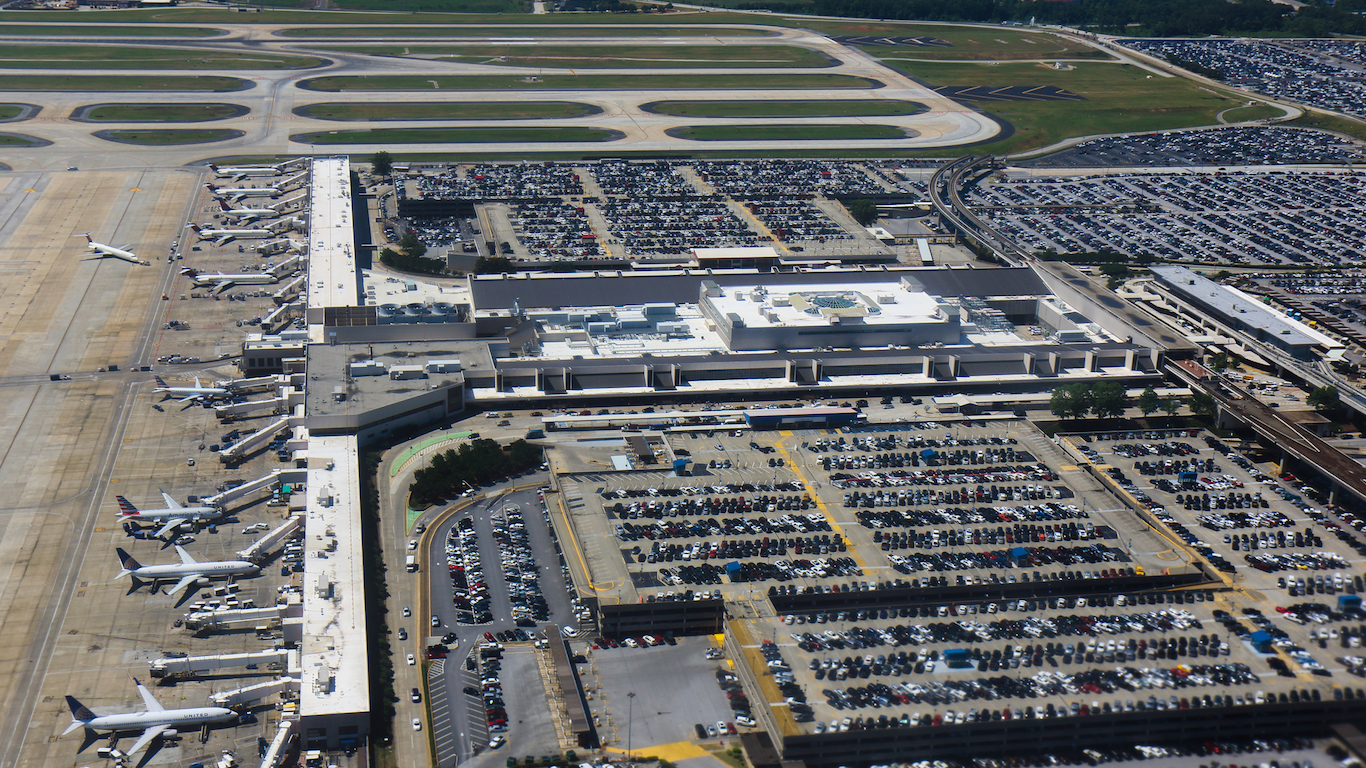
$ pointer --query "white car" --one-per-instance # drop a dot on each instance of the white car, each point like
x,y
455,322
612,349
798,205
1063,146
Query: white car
x,y
412,660
417,724
407,612
497,741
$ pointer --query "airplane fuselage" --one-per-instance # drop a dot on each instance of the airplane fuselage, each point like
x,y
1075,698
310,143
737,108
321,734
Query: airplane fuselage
x,y
189,513
257,278
219,234
247,192
181,570
193,391
190,716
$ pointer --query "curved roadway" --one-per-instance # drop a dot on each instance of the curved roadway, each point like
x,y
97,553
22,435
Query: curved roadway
x,y
276,93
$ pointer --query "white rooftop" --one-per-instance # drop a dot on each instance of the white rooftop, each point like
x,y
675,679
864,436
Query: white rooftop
x,y
332,279
813,304
381,288
335,676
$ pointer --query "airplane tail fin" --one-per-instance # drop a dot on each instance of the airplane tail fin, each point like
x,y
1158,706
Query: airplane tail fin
x,y
80,714
213,167
159,382
195,227
224,205
128,562
126,507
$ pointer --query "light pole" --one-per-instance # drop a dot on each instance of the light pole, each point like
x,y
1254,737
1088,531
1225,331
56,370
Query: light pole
x,y
630,720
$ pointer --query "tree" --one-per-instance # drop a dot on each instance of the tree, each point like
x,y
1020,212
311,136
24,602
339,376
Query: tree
x,y
382,163
1148,401
1323,398
864,211
1220,362
1109,399
411,245
1203,403
1070,401
492,265
1170,406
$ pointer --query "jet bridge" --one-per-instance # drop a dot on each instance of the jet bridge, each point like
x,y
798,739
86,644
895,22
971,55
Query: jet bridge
x,y
276,753
248,386
275,478
266,543
242,448
287,266
227,619
234,410
188,666
291,289
253,693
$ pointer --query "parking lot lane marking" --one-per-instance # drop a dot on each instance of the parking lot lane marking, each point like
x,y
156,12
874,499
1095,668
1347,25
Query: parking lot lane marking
x,y
816,497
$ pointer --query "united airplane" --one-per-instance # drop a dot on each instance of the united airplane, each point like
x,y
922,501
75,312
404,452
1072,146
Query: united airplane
x,y
189,571
154,722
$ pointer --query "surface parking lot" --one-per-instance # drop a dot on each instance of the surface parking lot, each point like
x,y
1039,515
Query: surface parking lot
x,y
1236,218
1215,147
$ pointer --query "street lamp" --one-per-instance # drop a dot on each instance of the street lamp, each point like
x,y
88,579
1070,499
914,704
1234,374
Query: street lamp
x,y
630,720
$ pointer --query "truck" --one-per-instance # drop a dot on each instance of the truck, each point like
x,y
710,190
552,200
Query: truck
x,y
410,563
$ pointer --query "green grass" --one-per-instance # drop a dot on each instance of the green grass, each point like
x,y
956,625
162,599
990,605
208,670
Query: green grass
x,y
114,83
487,32
1119,98
1330,123
1254,112
123,57
457,136
582,82
771,132
76,30
9,111
172,136
609,56
823,108
457,110
162,113
16,140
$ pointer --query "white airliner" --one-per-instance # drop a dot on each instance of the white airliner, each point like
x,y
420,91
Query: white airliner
x,y
237,194
186,394
188,571
238,174
109,250
224,281
247,214
170,518
224,236
156,721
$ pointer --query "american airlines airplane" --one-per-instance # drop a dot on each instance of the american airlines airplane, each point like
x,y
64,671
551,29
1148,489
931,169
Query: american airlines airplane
x,y
109,250
189,571
238,174
237,194
154,722
197,392
170,518
247,214
224,236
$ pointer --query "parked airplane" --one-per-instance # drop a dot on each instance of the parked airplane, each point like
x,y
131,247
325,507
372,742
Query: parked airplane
x,y
223,281
109,250
170,518
197,392
238,174
237,194
247,214
189,571
224,236
155,721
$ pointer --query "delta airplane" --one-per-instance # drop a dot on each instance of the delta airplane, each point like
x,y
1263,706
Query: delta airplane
x,y
223,281
197,392
238,174
224,236
247,214
237,194
170,518
109,250
155,721
189,571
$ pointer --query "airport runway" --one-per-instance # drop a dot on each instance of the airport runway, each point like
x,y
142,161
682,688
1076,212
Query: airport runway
x,y
276,93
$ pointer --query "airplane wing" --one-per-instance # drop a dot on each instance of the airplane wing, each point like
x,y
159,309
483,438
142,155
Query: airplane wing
x,y
149,700
224,240
185,558
170,502
146,738
188,581
171,525
188,399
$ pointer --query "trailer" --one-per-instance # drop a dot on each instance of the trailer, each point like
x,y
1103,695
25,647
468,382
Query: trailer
x,y
242,448
188,666
258,550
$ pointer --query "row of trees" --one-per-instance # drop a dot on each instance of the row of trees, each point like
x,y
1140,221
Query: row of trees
x,y
478,462
411,257
1110,400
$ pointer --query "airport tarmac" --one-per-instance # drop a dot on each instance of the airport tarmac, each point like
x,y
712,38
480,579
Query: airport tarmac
x,y
276,93
70,445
